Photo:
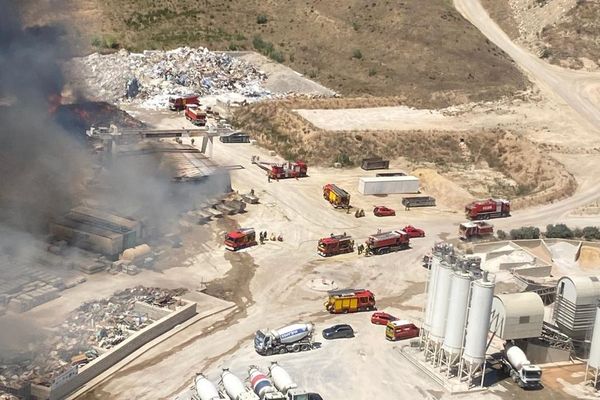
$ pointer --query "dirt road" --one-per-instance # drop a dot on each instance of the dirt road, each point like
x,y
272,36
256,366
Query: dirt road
x,y
581,90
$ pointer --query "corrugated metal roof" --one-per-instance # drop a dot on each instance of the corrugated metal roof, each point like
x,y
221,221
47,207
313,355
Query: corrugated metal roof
x,y
521,304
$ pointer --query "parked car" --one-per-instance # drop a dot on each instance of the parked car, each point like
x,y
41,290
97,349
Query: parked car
x,y
382,318
382,211
235,137
400,330
338,331
414,232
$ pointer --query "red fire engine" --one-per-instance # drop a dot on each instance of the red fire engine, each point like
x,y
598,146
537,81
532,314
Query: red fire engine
x,y
179,103
335,244
239,239
288,170
385,242
195,115
469,230
284,170
349,300
486,209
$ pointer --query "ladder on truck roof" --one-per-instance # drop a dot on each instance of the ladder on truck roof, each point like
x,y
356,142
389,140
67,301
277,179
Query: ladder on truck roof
x,y
339,191
344,292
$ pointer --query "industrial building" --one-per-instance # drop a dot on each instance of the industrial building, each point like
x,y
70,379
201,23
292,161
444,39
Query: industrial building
x,y
517,315
575,306
98,231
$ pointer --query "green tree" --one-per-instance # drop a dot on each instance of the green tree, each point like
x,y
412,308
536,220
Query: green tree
x,y
560,231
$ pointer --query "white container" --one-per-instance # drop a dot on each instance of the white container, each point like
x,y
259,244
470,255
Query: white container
x,y
388,184
594,360
205,389
478,321
440,306
457,314
431,286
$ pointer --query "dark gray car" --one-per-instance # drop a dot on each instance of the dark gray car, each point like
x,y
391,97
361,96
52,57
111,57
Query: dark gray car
x,y
235,137
338,331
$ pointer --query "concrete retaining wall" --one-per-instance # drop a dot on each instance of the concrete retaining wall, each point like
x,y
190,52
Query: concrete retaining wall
x,y
122,350
153,312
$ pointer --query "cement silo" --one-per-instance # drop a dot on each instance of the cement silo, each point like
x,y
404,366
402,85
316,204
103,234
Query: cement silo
x,y
454,334
593,364
478,324
440,303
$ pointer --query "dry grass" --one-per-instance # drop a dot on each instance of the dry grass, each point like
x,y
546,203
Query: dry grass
x,y
421,51
539,178
575,36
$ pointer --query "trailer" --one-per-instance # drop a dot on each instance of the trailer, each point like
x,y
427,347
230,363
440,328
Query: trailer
x,y
418,201
374,163
379,174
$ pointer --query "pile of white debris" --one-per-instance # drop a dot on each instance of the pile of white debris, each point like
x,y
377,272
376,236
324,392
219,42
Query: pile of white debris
x,y
152,76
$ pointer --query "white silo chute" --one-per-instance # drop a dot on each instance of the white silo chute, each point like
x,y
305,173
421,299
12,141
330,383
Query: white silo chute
x,y
478,324
593,364
431,284
457,317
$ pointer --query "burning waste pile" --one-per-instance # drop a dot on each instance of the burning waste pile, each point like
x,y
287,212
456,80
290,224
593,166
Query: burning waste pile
x,y
88,332
155,75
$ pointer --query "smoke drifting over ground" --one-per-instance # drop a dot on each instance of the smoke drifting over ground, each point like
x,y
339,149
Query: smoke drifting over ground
x,y
40,166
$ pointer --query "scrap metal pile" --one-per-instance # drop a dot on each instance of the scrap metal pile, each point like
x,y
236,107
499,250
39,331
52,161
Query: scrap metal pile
x,y
156,75
89,331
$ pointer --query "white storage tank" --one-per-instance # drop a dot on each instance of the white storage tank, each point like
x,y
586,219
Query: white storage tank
x,y
433,274
478,321
440,306
388,184
594,359
457,314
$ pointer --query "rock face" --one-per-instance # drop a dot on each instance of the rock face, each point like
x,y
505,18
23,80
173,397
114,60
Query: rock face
x,y
153,76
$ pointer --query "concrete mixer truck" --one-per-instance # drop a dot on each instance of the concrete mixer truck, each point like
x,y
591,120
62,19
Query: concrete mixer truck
x,y
284,383
262,386
291,338
235,388
205,388
519,368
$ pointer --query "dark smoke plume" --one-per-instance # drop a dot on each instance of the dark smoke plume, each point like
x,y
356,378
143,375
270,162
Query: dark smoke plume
x,y
40,165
